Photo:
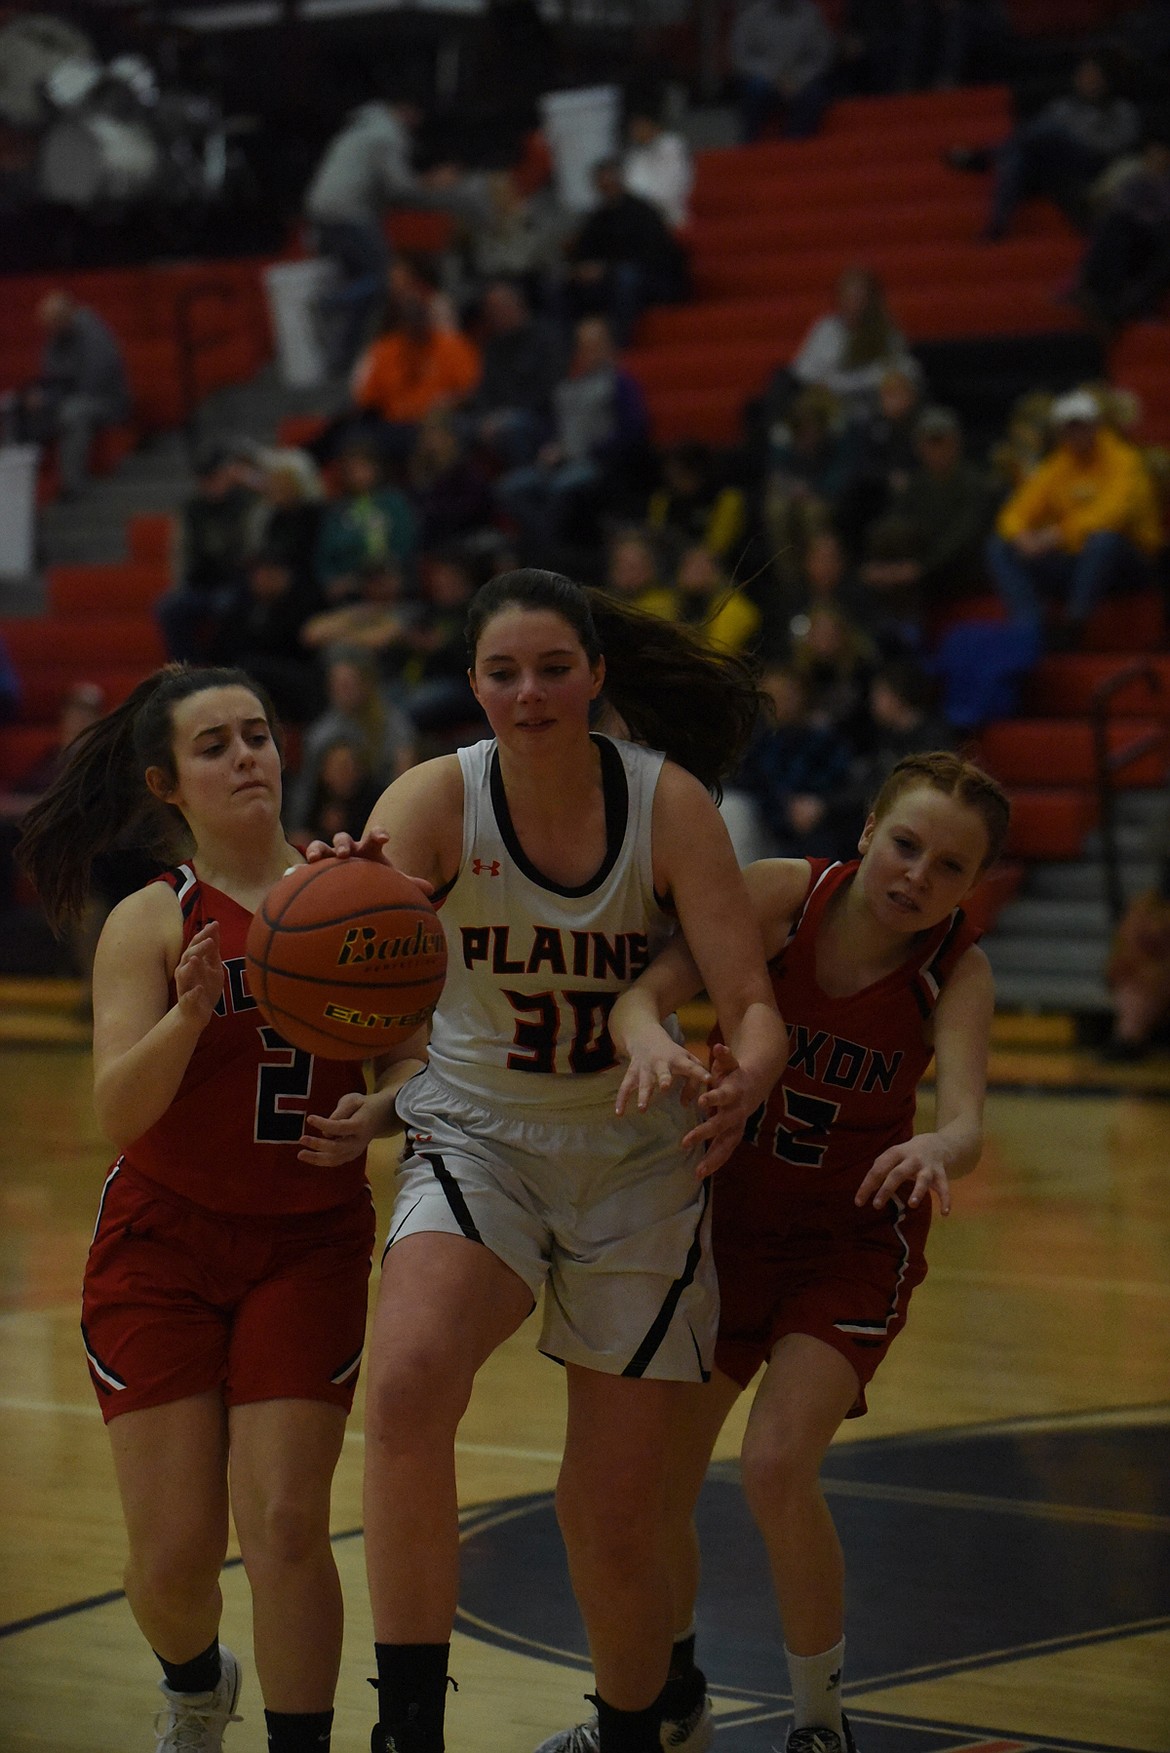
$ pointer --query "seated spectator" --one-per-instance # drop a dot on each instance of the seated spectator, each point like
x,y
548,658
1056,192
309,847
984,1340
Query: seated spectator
x,y
286,517
835,660
806,468
450,490
510,234
782,801
633,572
944,43
418,367
509,415
1125,272
212,552
705,599
357,708
1025,442
1059,152
1138,971
600,434
849,350
81,387
927,552
368,521
380,619
901,718
623,258
782,54
343,793
656,164
692,505
439,699
1085,521
262,634
881,456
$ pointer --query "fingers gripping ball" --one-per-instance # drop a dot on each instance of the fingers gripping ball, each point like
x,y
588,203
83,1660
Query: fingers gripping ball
x,y
346,958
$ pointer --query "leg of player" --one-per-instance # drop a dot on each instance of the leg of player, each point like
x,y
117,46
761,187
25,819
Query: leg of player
x,y
171,1467
283,1455
445,1303
808,1388
611,1497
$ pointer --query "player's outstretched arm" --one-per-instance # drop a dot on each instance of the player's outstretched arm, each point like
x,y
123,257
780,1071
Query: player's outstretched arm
x,y
929,1162
329,1141
142,1042
416,825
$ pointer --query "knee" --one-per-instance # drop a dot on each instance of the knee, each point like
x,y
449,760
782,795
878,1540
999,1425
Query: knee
x,y
178,1569
283,1532
777,1472
609,1534
415,1398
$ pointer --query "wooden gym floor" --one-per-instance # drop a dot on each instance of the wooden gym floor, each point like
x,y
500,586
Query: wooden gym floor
x,y
1005,1506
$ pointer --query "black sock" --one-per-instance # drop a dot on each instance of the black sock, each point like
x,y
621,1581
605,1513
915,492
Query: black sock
x,y
682,1657
200,1674
412,1694
628,1731
686,1685
298,1731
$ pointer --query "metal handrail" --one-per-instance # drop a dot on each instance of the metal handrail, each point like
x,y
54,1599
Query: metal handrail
x,y
1108,763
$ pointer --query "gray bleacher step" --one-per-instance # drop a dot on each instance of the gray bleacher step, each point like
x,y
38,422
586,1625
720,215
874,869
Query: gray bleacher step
x,y
1063,993
1132,840
1085,881
1039,918
1046,955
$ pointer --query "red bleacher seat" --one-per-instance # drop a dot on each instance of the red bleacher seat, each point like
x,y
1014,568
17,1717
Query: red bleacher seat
x,y
1048,823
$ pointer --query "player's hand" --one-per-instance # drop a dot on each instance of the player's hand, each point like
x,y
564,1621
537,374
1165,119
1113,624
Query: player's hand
x,y
919,1162
657,1062
199,975
371,845
726,1106
327,1143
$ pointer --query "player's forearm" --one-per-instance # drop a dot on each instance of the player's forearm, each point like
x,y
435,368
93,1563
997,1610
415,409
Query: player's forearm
x,y
760,1045
391,1075
133,1091
962,1141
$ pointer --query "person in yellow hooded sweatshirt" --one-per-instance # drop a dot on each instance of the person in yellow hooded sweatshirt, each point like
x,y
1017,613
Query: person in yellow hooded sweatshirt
x,y
1084,521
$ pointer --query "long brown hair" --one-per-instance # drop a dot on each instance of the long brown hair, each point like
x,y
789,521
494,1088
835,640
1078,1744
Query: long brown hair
x,y
674,693
954,777
100,799
873,335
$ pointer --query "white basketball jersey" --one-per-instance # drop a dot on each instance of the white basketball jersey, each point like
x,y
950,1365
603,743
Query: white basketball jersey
x,y
534,968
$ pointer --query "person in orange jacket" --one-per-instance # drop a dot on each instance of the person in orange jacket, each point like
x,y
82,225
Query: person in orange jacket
x,y
1084,520
416,368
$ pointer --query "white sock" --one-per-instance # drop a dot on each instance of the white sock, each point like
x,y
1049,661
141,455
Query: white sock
x,y
816,1689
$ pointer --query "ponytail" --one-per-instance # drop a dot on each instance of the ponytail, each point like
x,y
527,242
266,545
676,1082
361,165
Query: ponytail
x,y
100,799
674,693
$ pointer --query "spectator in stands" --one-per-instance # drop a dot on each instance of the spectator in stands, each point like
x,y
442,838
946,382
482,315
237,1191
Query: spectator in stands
x,y
356,707
81,387
509,414
439,700
368,521
694,505
1125,272
262,634
806,468
343,794
1087,519
418,367
379,620
286,518
449,488
782,54
633,572
213,540
705,599
1138,971
926,553
1024,444
944,43
623,258
881,456
1060,151
509,234
849,350
657,164
901,718
835,659
366,168
600,434
782,801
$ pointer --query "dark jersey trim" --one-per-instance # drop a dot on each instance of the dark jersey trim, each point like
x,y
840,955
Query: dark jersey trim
x,y
656,1333
453,1195
617,814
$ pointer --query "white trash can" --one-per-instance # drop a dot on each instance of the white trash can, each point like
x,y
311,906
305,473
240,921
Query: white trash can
x,y
18,508
580,127
294,289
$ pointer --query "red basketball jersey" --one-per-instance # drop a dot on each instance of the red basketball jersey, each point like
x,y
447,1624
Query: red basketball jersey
x,y
854,1064
229,1140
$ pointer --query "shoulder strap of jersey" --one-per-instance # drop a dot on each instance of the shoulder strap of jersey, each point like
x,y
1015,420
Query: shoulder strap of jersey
x,y
824,875
186,885
948,942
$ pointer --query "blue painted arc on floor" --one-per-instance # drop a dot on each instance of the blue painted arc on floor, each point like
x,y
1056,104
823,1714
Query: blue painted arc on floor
x,y
964,1550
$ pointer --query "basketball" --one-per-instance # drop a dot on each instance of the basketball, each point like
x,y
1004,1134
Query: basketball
x,y
346,958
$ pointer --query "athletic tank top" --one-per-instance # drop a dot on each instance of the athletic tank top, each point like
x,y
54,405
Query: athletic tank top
x,y
229,1139
533,967
849,1089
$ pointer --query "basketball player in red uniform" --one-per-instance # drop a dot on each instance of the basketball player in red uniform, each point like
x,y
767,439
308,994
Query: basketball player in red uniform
x,y
225,1293
821,1212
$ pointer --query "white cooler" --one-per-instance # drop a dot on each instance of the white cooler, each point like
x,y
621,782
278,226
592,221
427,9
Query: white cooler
x,y
294,289
18,508
580,127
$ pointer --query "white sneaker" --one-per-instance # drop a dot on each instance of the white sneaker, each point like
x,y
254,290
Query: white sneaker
x,y
693,1733
194,1722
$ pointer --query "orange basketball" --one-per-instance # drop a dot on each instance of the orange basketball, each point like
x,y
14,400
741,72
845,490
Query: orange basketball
x,y
346,958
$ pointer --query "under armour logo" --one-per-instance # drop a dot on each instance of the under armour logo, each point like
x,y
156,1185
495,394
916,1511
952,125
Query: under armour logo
x,y
834,1680
479,868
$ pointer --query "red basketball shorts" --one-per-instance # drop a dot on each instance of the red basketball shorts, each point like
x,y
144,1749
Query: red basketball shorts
x,y
811,1263
180,1300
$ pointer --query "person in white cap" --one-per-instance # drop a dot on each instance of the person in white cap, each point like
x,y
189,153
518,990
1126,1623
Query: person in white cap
x,y
1085,520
